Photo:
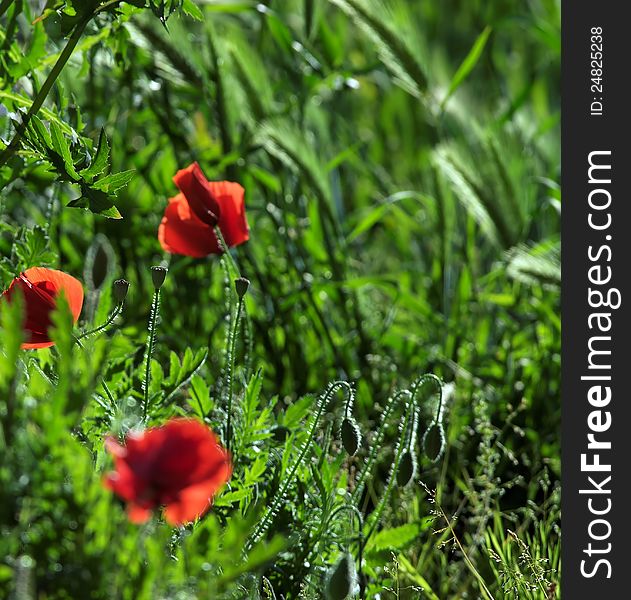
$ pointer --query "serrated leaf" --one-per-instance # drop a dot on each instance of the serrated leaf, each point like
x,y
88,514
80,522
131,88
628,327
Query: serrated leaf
x,y
181,372
114,182
61,147
200,400
100,163
41,134
97,202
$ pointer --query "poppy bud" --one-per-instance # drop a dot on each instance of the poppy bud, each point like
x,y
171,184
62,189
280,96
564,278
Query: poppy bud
x,y
121,286
434,441
351,436
341,579
407,467
158,275
241,285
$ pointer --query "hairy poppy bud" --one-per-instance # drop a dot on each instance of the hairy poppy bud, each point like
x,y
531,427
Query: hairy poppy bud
x,y
351,436
158,275
121,286
434,441
241,285
407,468
341,579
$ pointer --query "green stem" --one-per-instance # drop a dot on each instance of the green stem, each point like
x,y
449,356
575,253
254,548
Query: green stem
x,y
232,347
58,67
467,560
408,418
110,320
226,252
376,515
151,339
281,495
376,443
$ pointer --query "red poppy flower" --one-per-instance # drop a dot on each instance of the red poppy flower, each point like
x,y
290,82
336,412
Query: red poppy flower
x,y
41,287
179,465
190,217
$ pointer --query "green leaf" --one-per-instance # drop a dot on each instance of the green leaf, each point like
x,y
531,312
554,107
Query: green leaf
x,y
192,10
48,114
42,134
395,538
181,373
100,163
200,400
97,202
60,146
468,63
114,182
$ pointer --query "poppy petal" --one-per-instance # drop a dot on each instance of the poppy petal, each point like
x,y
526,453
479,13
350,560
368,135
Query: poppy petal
x,y
179,465
192,503
232,220
196,188
181,232
41,287
63,283
138,514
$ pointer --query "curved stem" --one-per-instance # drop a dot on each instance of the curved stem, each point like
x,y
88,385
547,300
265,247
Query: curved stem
x,y
408,418
376,515
110,320
375,446
272,509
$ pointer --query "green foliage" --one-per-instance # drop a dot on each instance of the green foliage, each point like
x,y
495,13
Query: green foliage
x,y
401,167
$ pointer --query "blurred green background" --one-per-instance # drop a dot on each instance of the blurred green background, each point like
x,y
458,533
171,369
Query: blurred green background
x,y
401,162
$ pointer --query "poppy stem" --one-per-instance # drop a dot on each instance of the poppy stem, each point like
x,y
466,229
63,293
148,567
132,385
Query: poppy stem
x,y
232,349
406,428
265,521
226,252
117,311
151,339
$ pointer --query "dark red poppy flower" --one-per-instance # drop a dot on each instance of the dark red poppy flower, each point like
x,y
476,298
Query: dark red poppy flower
x,y
190,217
41,287
180,466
